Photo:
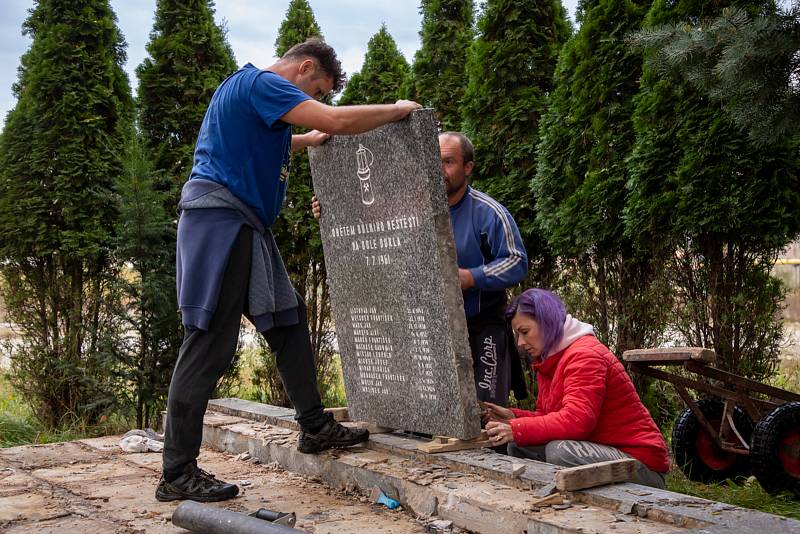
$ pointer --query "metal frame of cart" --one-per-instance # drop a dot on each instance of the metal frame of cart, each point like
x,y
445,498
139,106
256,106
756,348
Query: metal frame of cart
x,y
728,431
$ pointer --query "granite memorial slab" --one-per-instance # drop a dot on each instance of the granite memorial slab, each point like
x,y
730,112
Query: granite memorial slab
x,y
393,278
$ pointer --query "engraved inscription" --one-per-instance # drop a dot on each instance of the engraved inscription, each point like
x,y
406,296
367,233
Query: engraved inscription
x,y
425,386
380,240
375,350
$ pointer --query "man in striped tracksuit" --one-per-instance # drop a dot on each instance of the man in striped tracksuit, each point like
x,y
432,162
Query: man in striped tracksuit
x,y
491,259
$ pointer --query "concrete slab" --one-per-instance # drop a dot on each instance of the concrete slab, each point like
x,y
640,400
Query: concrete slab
x,y
74,524
254,411
80,473
14,507
109,444
48,455
55,489
148,460
13,481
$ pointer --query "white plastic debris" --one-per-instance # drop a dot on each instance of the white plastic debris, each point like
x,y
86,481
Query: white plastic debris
x,y
142,441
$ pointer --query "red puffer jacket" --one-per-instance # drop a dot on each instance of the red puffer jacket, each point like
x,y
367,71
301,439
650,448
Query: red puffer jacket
x,y
585,394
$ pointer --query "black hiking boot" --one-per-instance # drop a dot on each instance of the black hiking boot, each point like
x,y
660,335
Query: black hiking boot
x,y
196,485
332,435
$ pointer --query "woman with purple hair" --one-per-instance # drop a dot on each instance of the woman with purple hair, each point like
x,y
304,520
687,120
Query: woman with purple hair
x,y
587,410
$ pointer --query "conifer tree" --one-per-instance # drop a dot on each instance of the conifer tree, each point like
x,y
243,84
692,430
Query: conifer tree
x,y
298,25
60,155
305,264
439,70
188,58
750,64
580,191
384,77
150,314
715,206
510,71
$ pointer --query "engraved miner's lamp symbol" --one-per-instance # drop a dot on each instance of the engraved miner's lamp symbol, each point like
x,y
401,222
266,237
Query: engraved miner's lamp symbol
x,y
365,159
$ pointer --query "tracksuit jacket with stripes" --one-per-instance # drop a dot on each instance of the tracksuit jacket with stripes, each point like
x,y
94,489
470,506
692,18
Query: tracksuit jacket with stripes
x,y
489,245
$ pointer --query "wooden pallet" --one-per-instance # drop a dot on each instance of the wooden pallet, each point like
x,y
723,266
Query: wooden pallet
x,y
447,444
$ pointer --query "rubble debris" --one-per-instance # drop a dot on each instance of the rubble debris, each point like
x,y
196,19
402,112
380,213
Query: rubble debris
x,y
440,526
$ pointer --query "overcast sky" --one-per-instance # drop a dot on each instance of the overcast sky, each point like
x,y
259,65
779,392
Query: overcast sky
x,y
252,27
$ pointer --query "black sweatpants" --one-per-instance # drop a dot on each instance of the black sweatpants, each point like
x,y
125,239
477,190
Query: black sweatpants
x,y
205,355
491,361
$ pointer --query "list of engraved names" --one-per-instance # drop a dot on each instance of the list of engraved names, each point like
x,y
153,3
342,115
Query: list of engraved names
x,y
376,351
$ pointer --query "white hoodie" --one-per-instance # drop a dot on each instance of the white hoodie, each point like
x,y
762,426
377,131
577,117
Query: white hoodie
x,y
573,330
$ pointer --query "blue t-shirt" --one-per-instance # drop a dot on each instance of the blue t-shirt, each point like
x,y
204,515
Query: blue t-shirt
x,y
243,144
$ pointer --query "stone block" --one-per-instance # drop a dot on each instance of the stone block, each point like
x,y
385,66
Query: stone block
x,y
391,266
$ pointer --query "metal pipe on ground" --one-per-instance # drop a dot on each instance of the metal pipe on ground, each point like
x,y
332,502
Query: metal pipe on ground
x,y
196,517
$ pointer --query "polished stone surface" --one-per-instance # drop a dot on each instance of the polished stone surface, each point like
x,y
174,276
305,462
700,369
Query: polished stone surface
x,y
393,276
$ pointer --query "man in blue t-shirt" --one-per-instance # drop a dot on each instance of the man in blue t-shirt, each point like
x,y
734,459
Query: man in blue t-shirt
x,y
491,259
227,261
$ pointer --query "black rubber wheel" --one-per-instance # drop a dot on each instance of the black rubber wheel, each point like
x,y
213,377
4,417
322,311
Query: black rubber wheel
x,y
698,455
775,451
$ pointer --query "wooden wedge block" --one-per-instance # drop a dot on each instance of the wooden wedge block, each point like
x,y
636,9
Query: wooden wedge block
x,y
599,474
445,444
555,498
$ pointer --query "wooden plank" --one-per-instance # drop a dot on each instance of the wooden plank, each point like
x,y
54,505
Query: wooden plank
x,y
593,475
697,385
743,384
446,444
712,432
747,404
670,355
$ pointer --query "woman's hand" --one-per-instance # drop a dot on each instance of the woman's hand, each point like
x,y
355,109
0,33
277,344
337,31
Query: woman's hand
x,y
493,412
499,433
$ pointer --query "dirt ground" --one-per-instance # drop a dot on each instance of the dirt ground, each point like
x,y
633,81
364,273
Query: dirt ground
x,y
90,486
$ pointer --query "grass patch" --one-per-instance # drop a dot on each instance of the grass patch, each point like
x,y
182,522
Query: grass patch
x,y
748,493
16,430
787,376
19,427
245,385
332,388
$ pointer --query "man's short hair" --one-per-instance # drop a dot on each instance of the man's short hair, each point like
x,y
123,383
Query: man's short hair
x,y
467,149
323,55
